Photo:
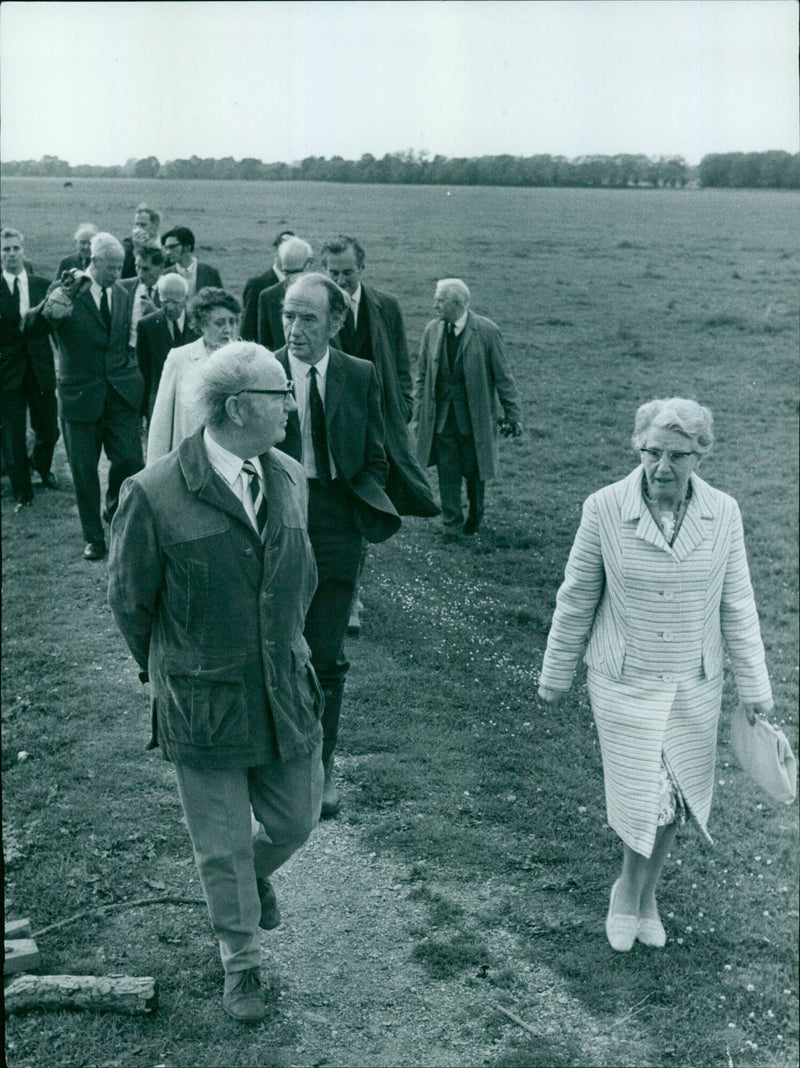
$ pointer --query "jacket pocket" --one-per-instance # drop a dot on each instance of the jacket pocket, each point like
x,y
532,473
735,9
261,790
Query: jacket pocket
x,y
207,705
305,684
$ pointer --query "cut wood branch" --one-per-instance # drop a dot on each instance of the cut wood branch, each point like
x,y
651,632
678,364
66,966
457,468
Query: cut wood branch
x,y
119,905
516,1019
101,993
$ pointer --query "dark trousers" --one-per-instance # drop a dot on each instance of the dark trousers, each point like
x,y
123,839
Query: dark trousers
x,y
14,408
456,459
337,549
117,432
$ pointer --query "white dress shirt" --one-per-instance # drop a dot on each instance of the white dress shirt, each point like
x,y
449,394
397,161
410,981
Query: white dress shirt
x,y
97,292
355,303
459,324
139,294
24,293
190,274
299,372
229,467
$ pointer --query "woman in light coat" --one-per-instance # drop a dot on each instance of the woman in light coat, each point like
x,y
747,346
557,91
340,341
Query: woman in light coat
x,y
215,314
657,580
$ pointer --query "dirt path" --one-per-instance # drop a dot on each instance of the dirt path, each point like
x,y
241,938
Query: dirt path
x,y
343,957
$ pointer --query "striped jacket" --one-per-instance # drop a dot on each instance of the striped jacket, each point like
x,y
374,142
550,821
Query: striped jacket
x,y
653,610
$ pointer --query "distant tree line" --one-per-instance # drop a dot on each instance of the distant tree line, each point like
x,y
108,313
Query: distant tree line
x,y
761,170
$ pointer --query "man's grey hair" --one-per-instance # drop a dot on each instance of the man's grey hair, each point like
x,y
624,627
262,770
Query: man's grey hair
x,y
675,413
225,373
294,247
454,287
172,281
86,230
9,231
104,243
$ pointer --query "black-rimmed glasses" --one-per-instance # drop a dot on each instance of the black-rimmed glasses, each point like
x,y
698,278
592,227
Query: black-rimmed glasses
x,y
287,391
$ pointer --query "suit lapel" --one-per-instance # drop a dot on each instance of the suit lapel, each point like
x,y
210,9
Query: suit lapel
x,y
292,444
695,527
334,386
87,300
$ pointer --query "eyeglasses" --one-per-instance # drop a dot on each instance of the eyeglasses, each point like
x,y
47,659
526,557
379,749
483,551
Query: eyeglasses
x,y
287,392
673,458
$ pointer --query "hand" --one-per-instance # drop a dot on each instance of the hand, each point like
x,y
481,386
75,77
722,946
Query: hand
x,y
550,697
148,307
761,708
510,428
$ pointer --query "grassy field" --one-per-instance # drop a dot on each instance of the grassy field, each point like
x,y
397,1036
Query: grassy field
x,y
450,766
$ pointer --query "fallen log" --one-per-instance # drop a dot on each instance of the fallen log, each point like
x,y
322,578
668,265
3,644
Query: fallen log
x,y
100,993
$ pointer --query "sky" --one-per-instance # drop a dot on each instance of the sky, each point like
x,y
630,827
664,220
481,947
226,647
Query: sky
x,y
103,82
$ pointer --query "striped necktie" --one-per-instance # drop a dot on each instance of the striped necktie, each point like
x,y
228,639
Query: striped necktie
x,y
260,506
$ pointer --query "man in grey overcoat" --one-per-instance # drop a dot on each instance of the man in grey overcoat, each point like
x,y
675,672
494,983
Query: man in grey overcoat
x,y
462,373
211,574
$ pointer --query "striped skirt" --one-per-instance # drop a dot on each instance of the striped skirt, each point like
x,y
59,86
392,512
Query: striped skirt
x,y
639,721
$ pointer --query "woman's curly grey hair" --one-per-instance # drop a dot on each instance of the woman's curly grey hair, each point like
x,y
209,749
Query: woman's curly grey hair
x,y
685,416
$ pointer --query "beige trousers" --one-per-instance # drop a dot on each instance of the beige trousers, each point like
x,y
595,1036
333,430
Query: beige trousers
x,y
231,849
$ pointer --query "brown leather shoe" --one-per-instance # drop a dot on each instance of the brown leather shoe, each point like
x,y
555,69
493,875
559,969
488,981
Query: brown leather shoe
x,y
270,913
243,998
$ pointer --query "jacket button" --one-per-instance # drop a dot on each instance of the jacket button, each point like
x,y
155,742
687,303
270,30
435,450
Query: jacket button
x,y
667,636
667,677
669,595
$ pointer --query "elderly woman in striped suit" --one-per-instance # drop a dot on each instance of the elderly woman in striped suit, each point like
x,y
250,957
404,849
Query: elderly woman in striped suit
x,y
656,580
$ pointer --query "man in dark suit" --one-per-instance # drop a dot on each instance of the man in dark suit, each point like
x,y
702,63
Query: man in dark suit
x,y
150,262
373,330
146,224
179,248
81,258
99,386
256,285
294,257
160,332
337,435
27,373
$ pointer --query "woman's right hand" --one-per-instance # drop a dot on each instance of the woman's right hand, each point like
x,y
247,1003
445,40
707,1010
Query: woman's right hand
x,y
551,697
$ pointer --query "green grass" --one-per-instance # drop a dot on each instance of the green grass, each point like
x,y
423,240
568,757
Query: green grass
x,y
450,764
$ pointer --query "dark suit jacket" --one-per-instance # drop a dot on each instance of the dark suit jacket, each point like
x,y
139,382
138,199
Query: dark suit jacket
x,y
253,289
381,338
354,422
129,263
270,319
25,344
92,361
71,261
206,276
153,343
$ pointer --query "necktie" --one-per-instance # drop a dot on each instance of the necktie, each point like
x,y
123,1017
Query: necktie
x,y
105,311
319,435
260,506
452,344
16,294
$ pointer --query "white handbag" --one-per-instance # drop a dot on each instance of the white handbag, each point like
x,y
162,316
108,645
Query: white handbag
x,y
764,753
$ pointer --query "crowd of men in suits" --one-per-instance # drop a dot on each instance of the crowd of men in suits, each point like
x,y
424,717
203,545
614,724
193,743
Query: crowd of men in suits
x,y
322,372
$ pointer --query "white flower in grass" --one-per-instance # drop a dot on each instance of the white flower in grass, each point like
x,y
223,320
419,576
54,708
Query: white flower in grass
x,y
749,987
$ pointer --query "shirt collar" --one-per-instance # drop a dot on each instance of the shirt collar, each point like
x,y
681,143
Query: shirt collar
x,y
23,277
301,369
459,324
225,463
356,297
